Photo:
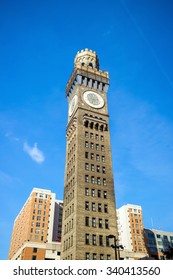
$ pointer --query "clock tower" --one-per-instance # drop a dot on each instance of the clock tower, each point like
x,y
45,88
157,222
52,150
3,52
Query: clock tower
x,y
89,214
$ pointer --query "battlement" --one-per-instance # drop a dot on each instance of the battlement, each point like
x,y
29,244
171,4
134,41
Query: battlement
x,y
86,57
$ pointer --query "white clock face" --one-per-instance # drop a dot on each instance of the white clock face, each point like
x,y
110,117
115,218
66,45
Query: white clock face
x,y
72,105
93,99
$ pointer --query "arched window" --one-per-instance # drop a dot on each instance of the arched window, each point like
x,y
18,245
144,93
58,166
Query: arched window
x,y
90,64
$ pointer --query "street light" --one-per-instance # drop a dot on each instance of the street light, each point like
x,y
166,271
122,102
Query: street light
x,y
115,246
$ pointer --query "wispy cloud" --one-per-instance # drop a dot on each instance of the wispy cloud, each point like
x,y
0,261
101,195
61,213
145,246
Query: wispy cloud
x,y
34,152
145,138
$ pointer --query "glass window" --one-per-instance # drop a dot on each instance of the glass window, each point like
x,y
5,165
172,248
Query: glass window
x,y
99,207
86,144
100,223
86,191
87,256
87,221
97,157
86,155
94,256
92,145
92,167
86,134
87,239
93,192
105,194
86,205
102,148
97,137
86,166
101,240
93,222
105,208
93,206
101,138
98,181
99,193
94,239
103,170
97,147
107,241
103,159
92,156
104,182
92,180
106,224
91,135
86,178
98,168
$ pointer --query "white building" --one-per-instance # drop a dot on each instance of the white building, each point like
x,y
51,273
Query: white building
x,y
130,229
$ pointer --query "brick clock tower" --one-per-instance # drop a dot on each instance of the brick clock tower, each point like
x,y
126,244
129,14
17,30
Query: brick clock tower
x,y
89,214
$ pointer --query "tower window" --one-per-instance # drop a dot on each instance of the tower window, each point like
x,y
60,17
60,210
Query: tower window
x,y
87,205
92,180
104,182
86,144
103,170
94,239
87,239
106,224
97,157
87,256
86,166
86,155
92,167
86,178
103,159
99,207
98,181
105,208
92,145
101,240
93,222
102,148
98,168
87,221
86,134
101,138
107,241
99,193
92,156
105,194
93,206
94,256
90,64
86,191
97,137
93,192
100,223
97,147
91,135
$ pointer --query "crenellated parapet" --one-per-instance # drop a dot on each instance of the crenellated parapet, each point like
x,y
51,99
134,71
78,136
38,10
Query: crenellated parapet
x,y
86,71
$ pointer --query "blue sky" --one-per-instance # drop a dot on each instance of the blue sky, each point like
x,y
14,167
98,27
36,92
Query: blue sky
x,y
38,43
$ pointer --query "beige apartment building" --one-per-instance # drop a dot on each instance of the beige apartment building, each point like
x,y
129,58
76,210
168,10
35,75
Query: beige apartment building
x,y
37,229
131,232
89,214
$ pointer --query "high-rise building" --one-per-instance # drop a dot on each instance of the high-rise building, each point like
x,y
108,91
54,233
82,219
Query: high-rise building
x,y
89,214
36,228
131,231
158,242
